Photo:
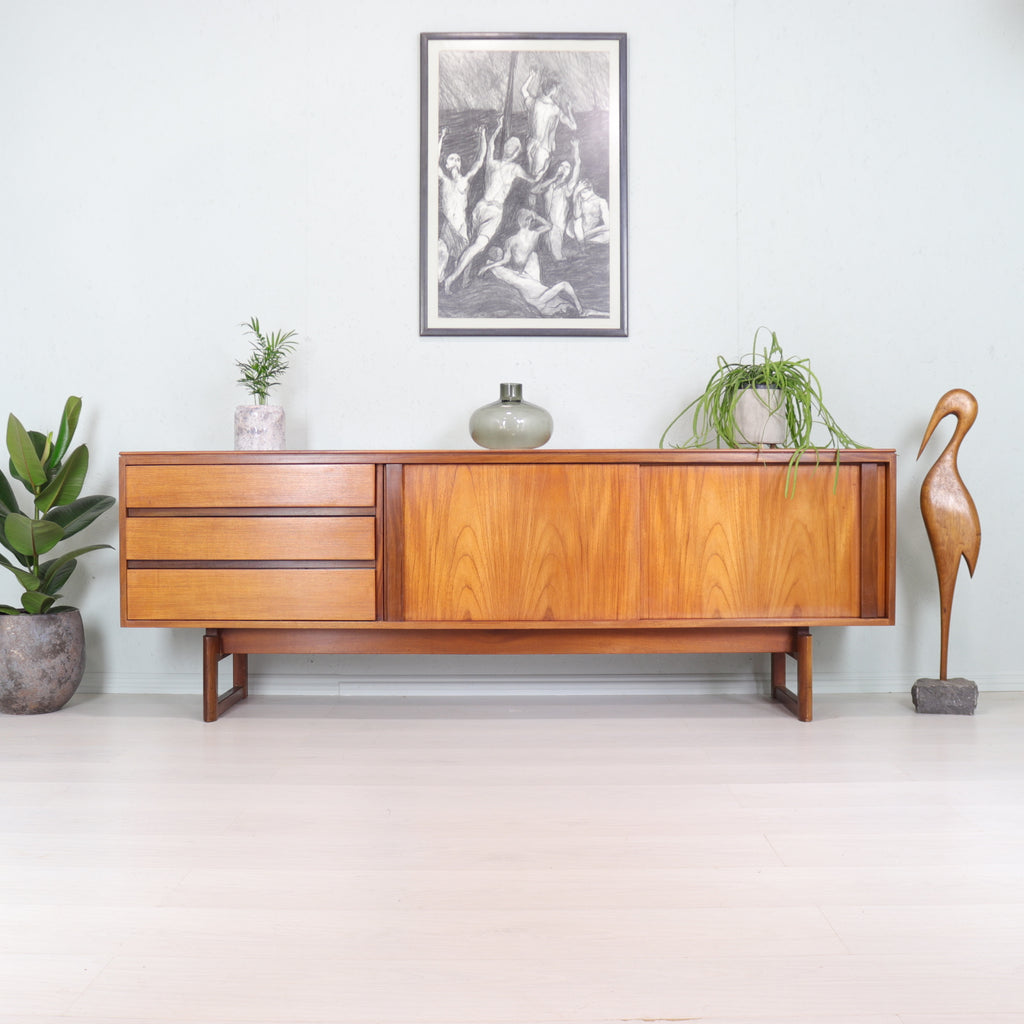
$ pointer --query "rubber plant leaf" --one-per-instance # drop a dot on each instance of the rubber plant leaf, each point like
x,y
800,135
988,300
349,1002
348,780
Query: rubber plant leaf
x,y
28,580
55,575
8,502
52,578
66,486
80,513
37,603
31,537
66,430
24,457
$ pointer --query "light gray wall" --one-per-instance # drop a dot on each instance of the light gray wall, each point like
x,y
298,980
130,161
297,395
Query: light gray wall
x,y
848,174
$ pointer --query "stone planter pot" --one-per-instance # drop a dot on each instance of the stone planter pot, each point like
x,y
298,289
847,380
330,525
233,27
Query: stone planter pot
x,y
760,416
42,661
259,428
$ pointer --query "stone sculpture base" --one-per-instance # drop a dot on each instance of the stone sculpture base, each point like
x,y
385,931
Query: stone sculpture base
x,y
945,696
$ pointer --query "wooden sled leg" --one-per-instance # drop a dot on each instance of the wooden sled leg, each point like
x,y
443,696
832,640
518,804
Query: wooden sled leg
x,y
801,702
214,704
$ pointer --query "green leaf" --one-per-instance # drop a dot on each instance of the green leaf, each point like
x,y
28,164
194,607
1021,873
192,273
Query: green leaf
x,y
24,457
68,425
52,568
28,580
36,603
31,537
8,502
67,484
25,560
56,573
77,515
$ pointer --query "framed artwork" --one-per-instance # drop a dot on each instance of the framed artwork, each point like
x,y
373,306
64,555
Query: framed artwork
x,y
523,184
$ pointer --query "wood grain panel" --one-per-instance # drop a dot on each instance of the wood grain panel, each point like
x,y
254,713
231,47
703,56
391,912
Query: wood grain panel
x,y
207,596
520,543
724,542
251,486
231,538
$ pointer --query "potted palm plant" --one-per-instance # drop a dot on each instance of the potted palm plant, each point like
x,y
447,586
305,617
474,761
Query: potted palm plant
x,y
768,400
260,426
42,645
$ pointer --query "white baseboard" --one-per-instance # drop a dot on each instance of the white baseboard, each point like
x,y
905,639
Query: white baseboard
x,y
509,685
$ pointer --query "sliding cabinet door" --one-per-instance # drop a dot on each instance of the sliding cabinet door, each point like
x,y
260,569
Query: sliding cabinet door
x,y
520,542
724,542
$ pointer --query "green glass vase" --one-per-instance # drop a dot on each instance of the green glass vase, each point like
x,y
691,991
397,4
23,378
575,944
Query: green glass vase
x,y
511,422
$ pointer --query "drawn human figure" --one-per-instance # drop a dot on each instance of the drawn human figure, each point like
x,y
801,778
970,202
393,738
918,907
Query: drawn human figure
x,y
453,230
545,114
500,174
557,300
556,192
521,248
591,221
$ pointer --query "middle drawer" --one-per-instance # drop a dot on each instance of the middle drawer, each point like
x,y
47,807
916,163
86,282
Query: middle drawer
x,y
249,538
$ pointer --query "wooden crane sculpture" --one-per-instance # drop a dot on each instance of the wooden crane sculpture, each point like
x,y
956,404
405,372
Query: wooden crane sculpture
x,y
950,517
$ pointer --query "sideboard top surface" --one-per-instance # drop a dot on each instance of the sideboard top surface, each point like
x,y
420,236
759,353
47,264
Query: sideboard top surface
x,y
648,456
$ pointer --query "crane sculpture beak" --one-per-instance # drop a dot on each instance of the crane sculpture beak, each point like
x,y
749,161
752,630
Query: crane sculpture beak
x,y
957,402
937,417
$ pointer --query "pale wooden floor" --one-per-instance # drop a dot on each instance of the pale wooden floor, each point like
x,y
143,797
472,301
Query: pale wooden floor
x,y
460,861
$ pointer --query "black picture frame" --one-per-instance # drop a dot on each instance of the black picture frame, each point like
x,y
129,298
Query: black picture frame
x,y
523,202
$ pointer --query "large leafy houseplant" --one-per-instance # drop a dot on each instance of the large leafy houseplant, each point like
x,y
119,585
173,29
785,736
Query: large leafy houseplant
x,y
267,362
797,391
54,477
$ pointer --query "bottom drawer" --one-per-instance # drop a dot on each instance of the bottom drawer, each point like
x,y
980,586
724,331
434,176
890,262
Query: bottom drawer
x,y
205,596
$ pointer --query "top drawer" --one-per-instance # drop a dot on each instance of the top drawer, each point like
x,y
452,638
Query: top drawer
x,y
236,486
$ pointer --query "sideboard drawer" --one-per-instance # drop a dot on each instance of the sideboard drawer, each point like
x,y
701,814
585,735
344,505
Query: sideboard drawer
x,y
204,596
233,538
287,485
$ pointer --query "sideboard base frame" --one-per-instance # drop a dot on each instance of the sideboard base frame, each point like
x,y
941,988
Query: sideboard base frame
x,y
779,642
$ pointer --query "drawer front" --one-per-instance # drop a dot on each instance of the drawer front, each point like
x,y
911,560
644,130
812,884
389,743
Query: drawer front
x,y
256,486
230,538
205,596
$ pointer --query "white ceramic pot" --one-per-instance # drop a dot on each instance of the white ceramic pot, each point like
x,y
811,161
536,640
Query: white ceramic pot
x,y
761,416
259,428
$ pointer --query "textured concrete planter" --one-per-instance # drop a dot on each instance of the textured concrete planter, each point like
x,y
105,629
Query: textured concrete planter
x,y
42,660
761,416
259,428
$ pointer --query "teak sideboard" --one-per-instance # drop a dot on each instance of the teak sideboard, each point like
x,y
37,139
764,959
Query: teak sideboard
x,y
524,552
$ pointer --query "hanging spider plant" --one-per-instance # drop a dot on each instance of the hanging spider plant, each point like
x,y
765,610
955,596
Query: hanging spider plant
x,y
797,390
